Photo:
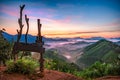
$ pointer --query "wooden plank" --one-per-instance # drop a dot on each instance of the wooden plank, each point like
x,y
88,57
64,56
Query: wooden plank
x,y
29,47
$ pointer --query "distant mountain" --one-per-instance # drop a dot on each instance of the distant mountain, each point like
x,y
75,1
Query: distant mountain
x,y
116,38
80,43
95,38
11,38
57,39
102,50
31,39
7,36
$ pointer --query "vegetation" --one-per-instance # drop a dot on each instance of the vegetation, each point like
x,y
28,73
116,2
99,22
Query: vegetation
x,y
103,51
55,62
5,49
53,54
99,69
25,65
106,54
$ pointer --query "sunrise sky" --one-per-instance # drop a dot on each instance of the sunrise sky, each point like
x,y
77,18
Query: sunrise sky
x,y
64,18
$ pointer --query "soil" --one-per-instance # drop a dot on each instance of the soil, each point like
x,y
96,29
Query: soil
x,y
48,75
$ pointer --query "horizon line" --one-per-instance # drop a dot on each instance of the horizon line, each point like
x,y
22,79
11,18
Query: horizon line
x,y
65,34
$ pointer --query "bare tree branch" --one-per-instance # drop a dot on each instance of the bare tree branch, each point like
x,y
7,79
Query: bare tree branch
x,y
27,22
20,23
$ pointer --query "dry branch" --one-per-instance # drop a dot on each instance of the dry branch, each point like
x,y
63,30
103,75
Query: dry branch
x,y
20,23
27,22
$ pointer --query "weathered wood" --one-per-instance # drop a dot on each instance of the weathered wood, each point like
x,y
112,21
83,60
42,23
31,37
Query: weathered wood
x,y
27,22
28,47
39,37
39,40
33,47
20,23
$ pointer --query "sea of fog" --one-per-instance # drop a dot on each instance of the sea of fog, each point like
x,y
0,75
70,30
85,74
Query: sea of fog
x,y
53,44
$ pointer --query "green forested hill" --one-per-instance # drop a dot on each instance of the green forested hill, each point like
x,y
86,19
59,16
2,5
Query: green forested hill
x,y
102,50
58,62
53,54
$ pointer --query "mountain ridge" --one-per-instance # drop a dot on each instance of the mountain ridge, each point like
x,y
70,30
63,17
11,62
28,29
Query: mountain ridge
x,y
31,38
103,50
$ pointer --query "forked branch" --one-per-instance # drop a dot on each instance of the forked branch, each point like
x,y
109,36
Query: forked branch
x,y
27,22
20,23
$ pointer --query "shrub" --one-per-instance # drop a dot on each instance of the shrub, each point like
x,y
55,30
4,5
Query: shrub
x,y
24,66
54,64
99,69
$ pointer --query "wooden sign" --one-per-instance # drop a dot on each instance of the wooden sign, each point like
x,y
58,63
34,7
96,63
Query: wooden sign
x,y
33,47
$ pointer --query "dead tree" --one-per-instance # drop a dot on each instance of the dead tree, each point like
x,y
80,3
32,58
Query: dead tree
x,y
33,47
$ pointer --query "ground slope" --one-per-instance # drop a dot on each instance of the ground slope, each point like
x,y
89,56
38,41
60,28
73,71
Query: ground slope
x,y
49,75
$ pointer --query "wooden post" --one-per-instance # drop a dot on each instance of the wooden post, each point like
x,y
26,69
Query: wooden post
x,y
39,40
34,47
27,22
39,28
20,23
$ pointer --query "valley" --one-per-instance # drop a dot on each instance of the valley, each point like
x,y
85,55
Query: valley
x,y
81,51
70,50
85,53
59,39
78,56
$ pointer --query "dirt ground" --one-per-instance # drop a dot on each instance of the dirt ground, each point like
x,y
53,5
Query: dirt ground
x,y
48,75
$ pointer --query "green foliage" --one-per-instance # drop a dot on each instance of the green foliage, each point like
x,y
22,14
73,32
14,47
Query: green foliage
x,y
53,64
5,49
53,54
22,54
24,66
103,51
99,69
54,61
57,65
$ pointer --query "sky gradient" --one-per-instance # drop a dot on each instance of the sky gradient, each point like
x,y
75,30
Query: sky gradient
x,y
64,18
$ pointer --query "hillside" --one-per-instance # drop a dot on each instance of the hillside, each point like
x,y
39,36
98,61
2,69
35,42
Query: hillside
x,y
49,75
53,54
59,62
102,50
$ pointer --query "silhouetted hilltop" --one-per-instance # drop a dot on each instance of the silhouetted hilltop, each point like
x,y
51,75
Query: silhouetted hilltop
x,y
31,39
